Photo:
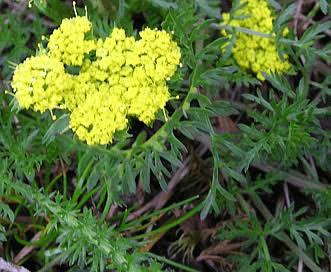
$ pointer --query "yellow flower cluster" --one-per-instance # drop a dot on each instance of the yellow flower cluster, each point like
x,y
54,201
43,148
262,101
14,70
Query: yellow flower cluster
x,y
68,43
252,51
117,77
39,83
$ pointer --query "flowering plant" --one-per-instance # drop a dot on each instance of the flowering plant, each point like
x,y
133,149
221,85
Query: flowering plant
x,y
118,77
233,147
254,48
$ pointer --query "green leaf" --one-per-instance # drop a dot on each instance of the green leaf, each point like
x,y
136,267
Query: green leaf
x,y
217,75
235,149
54,9
275,4
212,12
280,83
2,234
324,5
14,106
313,32
234,174
60,126
207,204
213,46
170,157
145,172
30,138
203,100
260,100
287,14
177,147
5,211
222,108
160,171
129,177
199,33
163,4
186,131
121,9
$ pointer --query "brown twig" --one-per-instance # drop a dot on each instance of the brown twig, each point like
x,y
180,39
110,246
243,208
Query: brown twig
x,y
8,267
297,16
27,249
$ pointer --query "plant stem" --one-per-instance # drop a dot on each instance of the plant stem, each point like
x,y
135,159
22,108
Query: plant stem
x,y
172,223
165,260
52,263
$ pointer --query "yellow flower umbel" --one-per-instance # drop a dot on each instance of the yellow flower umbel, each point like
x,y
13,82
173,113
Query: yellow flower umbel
x,y
157,59
137,71
255,52
124,78
39,83
158,53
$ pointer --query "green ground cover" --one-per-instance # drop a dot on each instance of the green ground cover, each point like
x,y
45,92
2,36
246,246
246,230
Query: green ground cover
x,y
211,152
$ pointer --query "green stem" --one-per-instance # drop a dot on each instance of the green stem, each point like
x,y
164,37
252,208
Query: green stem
x,y
50,185
165,260
79,187
314,10
107,207
157,213
295,178
162,133
52,263
171,224
65,185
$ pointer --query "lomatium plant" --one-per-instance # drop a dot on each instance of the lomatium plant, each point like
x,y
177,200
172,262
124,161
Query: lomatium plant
x,y
255,47
128,125
116,77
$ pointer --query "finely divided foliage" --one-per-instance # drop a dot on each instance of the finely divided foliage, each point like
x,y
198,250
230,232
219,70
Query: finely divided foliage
x,y
109,112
